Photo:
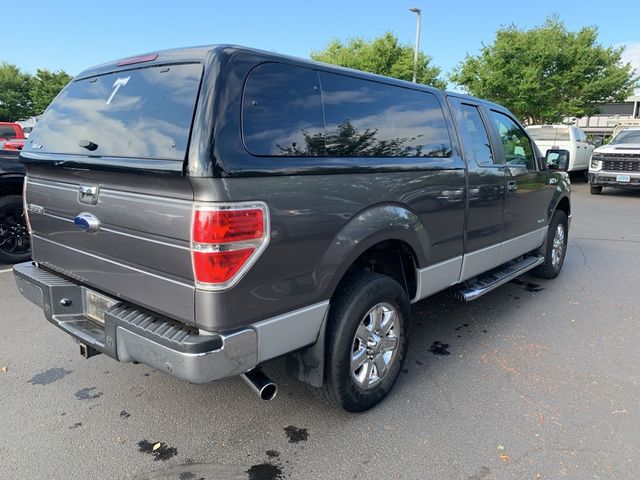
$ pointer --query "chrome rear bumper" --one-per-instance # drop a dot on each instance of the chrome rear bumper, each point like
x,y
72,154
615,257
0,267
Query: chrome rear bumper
x,y
132,334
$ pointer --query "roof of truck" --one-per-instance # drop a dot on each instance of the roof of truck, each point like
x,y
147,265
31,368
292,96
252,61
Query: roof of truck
x,y
205,52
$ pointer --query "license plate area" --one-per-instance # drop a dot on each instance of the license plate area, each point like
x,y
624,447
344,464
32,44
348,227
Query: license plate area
x,y
96,304
623,178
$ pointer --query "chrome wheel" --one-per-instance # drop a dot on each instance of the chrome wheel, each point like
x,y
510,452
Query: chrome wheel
x,y
557,249
375,345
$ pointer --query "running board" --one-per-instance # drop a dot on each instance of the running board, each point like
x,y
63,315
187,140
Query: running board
x,y
496,277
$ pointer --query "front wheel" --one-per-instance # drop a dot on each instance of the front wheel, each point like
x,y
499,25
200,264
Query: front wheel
x,y
555,247
595,189
367,341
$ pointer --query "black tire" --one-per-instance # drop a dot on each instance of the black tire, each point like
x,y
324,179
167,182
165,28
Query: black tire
x,y
350,308
12,226
551,268
595,189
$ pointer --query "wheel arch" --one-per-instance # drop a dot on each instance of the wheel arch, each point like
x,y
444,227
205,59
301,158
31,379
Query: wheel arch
x,y
374,239
371,233
11,184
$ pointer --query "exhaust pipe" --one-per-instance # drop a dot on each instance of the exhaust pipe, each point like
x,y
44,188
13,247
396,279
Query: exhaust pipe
x,y
260,384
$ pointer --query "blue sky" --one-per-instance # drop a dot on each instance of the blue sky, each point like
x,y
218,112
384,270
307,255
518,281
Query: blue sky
x,y
73,34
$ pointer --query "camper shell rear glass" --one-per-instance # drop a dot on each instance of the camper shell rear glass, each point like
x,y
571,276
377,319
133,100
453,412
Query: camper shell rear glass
x,y
140,113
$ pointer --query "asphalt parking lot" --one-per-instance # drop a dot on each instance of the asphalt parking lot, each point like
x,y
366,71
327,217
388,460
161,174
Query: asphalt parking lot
x,y
536,380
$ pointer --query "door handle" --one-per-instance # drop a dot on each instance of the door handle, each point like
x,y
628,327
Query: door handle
x,y
512,186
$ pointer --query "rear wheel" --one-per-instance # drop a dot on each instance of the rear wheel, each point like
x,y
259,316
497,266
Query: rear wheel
x,y
14,235
367,340
555,247
595,189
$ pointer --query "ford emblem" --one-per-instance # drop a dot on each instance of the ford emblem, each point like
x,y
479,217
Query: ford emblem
x,y
87,221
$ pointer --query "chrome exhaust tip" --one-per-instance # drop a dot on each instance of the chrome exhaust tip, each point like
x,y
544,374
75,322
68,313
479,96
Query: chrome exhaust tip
x,y
260,384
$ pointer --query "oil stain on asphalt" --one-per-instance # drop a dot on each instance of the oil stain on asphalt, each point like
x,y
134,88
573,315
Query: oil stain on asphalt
x,y
439,348
295,434
49,376
265,471
85,394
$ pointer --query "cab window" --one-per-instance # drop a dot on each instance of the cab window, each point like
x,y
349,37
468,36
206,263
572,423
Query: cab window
x,y
474,139
518,150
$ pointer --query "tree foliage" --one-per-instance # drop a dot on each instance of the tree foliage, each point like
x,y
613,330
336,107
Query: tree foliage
x,y
15,100
547,73
23,95
384,55
347,141
45,85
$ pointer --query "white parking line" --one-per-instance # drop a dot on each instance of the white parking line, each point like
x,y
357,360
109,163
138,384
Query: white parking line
x,y
6,270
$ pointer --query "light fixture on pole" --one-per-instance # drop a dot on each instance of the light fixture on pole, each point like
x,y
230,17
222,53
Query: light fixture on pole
x,y
418,13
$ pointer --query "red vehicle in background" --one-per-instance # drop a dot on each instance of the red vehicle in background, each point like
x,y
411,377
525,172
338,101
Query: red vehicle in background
x,y
10,131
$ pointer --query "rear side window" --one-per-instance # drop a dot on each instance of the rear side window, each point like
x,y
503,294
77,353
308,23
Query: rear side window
x,y
282,112
7,132
475,138
144,113
295,111
371,119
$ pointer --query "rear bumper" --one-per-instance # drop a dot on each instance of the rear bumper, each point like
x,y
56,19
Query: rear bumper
x,y
609,179
132,334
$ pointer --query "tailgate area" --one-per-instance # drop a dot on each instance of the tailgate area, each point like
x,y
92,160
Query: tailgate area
x,y
139,253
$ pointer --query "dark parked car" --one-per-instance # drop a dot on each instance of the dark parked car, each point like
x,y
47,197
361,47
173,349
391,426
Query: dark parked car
x,y
14,236
205,210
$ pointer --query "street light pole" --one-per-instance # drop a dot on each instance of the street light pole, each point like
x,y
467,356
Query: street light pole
x,y
418,13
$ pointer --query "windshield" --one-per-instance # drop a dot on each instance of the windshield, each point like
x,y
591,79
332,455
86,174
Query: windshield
x,y
549,134
144,113
626,136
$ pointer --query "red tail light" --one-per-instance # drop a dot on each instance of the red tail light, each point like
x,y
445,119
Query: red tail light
x,y
226,240
223,226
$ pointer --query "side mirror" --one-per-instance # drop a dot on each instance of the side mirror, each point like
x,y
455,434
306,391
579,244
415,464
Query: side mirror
x,y
557,159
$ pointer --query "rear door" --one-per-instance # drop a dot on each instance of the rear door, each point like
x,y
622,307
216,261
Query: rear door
x,y
527,191
108,202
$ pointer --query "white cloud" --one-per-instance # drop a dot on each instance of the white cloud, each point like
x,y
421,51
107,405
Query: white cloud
x,y
631,55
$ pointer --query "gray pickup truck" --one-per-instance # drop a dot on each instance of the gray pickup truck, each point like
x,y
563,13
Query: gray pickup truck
x,y
205,210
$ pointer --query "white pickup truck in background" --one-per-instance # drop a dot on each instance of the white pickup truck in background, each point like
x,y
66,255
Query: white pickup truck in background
x,y
563,137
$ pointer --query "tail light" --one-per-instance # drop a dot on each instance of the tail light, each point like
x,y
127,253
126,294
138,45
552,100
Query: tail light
x,y
226,240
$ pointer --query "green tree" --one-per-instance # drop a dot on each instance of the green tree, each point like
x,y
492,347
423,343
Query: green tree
x,y
45,85
15,101
384,55
547,73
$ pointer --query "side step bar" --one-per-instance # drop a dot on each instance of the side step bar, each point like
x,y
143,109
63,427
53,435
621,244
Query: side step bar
x,y
498,276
